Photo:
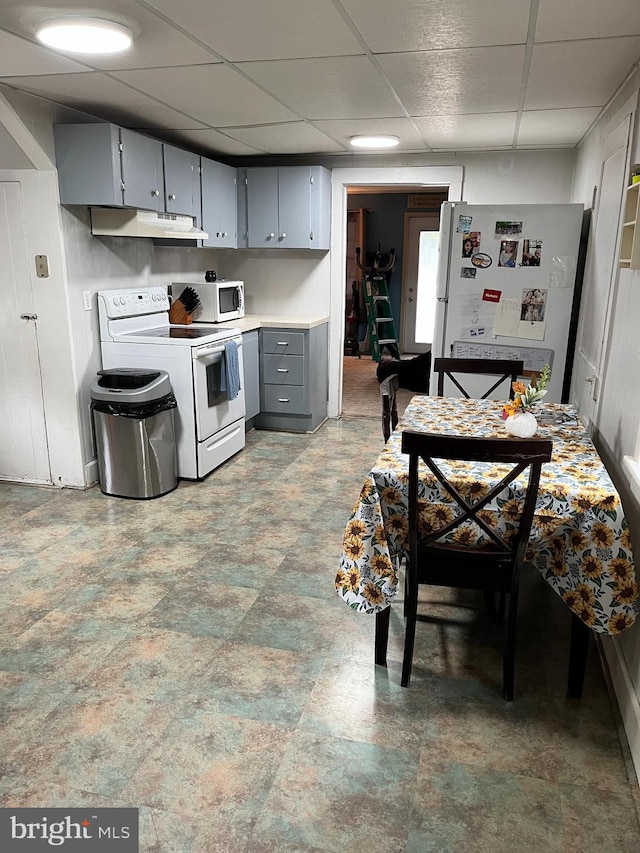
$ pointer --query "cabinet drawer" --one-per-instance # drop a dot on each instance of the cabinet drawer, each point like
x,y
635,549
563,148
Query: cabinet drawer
x,y
283,369
289,343
285,399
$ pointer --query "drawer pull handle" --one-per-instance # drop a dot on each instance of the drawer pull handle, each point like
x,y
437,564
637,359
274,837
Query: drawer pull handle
x,y
282,344
283,370
283,399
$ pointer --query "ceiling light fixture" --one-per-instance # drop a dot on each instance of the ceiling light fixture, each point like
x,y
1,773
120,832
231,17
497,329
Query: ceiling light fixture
x,y
374,141
84,35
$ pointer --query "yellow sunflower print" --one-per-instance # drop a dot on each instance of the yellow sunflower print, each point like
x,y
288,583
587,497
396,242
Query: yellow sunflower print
x,y
602,535
353,547
381,565
373,594
356,527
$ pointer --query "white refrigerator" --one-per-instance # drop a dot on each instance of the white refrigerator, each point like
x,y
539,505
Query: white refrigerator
x,y
506,287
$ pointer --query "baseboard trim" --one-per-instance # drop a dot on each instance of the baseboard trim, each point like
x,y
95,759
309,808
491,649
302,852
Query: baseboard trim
x,y
626,696
91,475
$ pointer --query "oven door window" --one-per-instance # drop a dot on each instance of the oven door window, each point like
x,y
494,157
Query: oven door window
x,y
215,396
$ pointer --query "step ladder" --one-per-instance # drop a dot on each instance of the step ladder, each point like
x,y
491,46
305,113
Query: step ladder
x,y
380,323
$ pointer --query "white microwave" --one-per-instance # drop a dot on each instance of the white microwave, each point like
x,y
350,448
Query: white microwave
x,y
220,300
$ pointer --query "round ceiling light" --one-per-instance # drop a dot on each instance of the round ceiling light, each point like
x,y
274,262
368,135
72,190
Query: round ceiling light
x,y
84,35
374,141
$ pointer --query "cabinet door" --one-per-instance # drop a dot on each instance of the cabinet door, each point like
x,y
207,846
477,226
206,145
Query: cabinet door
x,y
228,205
294,194
181,179
142,171
243,223
262,207
320,225
219,204
88,163
251,368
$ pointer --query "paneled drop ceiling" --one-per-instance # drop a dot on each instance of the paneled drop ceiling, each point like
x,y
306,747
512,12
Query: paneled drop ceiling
x,y
259,77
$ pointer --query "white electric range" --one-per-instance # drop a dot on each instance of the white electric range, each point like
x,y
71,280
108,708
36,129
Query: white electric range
x,y
135,332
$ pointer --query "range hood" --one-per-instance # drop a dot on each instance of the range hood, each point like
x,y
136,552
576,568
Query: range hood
x,y
119,222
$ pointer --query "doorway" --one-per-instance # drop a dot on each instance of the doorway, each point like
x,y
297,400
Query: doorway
x,y
24,452
380,216
420,265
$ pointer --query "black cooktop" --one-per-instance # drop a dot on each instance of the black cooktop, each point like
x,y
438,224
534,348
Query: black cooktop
x,y
179,332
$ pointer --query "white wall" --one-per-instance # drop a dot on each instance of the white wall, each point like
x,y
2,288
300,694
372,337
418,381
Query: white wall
x,y
277,281
617,420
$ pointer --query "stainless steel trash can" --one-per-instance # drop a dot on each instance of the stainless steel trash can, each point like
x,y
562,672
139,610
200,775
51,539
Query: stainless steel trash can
x,y
133,415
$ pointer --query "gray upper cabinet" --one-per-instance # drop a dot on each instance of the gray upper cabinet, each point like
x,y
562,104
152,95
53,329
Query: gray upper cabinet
x,y
219,204
288,207
105,165
102,164
284,207
181,181
142,172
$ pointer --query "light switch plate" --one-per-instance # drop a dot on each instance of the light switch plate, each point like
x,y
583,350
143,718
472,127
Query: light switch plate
x,y
42,266
86,299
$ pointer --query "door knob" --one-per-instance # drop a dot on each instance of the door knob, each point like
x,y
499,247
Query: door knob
x,y
172,196
155,193
411,299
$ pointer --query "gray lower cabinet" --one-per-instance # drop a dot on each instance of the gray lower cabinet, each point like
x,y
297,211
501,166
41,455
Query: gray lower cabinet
x,y
251,374
293,378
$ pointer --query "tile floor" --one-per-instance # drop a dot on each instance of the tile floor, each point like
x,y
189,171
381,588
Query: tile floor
x,y
189,656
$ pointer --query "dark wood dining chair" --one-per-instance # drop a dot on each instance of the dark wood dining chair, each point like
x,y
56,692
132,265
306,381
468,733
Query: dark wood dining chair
x,y
503,368
388,390
494,565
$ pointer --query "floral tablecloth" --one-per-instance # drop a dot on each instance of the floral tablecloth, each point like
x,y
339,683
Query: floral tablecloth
x,y
579,541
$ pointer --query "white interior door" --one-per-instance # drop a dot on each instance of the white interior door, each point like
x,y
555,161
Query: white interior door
x,y
419,282
600,275
24,454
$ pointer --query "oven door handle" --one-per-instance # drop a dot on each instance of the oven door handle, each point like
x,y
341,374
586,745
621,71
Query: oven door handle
x,y
205,353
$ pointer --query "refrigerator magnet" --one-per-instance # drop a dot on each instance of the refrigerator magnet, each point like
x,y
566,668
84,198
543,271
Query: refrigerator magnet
x,y
481,260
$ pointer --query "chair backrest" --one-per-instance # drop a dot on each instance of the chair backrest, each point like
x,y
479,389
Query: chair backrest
x,y
388,390
519,454
503,368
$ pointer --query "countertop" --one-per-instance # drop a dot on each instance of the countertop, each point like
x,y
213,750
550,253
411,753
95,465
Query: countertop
x,y
274,321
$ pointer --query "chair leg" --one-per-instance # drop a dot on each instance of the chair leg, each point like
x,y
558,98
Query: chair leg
x,y
411,611
509,659
382,636
490,604
409,639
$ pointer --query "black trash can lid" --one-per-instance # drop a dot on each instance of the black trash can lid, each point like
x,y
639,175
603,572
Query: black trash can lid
x,y
130,385
126,377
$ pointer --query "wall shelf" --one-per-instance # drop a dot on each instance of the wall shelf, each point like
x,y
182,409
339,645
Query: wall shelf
x,y
630,242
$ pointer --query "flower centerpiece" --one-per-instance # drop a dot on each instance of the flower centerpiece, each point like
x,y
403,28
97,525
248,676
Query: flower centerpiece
x,y
517,414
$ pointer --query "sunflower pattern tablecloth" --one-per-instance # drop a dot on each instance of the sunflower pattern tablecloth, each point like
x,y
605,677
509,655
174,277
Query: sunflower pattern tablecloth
x,y
579,541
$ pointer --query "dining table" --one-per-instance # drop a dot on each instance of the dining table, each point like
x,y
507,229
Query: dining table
x,y
579,539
